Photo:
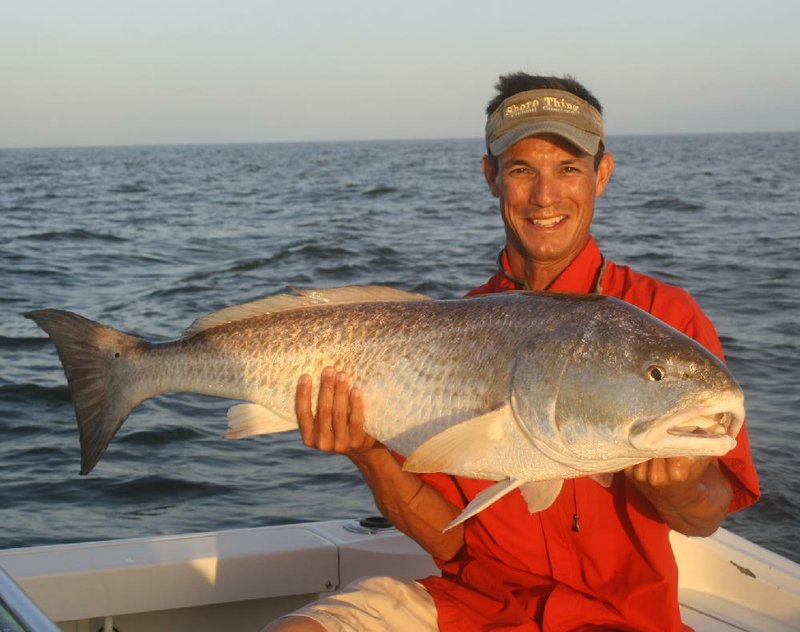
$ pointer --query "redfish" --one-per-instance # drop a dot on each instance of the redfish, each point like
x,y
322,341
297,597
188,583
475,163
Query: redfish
x,y
521,388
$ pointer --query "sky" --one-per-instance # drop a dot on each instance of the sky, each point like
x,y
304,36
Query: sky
x,y
100,72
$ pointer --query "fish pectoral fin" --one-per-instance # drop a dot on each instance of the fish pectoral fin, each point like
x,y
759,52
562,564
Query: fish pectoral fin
x,y
605,479
473,448
540,494
247,420
484,499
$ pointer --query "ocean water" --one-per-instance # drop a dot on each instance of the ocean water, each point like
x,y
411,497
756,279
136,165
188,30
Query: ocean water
x,y
148,238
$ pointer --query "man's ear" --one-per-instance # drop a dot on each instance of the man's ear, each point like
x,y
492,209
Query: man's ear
x,y
490,173
604,171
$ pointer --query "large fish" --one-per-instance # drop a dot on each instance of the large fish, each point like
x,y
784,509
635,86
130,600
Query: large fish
x,y
521,388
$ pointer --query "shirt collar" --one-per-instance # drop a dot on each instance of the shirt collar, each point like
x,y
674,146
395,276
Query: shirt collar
x,y
584,274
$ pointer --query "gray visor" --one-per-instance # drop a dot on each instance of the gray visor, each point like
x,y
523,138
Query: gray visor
x,y
537,112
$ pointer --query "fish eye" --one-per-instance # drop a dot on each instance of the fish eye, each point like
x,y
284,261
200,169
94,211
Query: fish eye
x,y
656,373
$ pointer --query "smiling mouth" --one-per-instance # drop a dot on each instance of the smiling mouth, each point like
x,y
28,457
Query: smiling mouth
x,y
547,222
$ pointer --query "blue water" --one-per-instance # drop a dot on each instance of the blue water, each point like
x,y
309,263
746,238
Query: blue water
x,y
148,238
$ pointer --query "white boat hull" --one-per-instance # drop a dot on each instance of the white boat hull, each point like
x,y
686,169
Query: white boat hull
x,y
241,579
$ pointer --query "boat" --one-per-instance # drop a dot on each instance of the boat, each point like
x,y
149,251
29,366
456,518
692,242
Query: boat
x,y
241,579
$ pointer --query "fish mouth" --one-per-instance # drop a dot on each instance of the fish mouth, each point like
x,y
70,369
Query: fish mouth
x,y
697,431
704,426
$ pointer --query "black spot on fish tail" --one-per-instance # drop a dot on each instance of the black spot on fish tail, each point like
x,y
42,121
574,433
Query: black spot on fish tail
x,y
90,354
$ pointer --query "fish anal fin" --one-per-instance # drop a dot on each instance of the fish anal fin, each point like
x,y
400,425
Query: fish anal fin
x,y
248,420
485,498
302,298
604,478
470,448
540,494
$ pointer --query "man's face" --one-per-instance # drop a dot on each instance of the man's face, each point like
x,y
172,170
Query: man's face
x,y
547,190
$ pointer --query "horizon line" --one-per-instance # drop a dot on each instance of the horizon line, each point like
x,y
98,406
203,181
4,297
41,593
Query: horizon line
x,y
354,141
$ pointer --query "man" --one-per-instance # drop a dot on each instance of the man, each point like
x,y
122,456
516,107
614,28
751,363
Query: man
x,y
597,558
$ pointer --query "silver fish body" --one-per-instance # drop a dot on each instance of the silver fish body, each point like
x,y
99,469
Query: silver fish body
x,y
516,387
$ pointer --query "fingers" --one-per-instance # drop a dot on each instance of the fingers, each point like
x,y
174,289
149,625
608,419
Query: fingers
x,y
635,473
338,425
302,408
688,469
340,419
659,473
652,472
323,427
359,438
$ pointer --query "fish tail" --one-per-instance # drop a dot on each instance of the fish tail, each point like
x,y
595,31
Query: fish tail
x,y
102,391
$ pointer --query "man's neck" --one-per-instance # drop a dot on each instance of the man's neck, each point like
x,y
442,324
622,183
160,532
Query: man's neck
x,y
537,275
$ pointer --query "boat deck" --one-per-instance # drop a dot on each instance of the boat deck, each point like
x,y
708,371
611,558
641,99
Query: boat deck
x,y
241,579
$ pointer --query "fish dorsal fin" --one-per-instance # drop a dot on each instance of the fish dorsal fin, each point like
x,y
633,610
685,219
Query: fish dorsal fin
x,y
302,298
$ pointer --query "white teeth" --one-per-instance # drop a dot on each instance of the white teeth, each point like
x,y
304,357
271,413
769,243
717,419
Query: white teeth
x,y
684,430
716,429
547,223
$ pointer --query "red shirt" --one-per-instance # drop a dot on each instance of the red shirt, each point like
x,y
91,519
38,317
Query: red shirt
x,y
523,571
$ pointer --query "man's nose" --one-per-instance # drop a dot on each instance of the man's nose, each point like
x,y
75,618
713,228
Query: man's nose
x,y
545,191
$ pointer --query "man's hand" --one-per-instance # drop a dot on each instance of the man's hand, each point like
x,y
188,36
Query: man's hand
x,y
410,504
338,425
691,494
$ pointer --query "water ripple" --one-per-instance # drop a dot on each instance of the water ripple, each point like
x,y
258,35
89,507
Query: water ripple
x,y
149,238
